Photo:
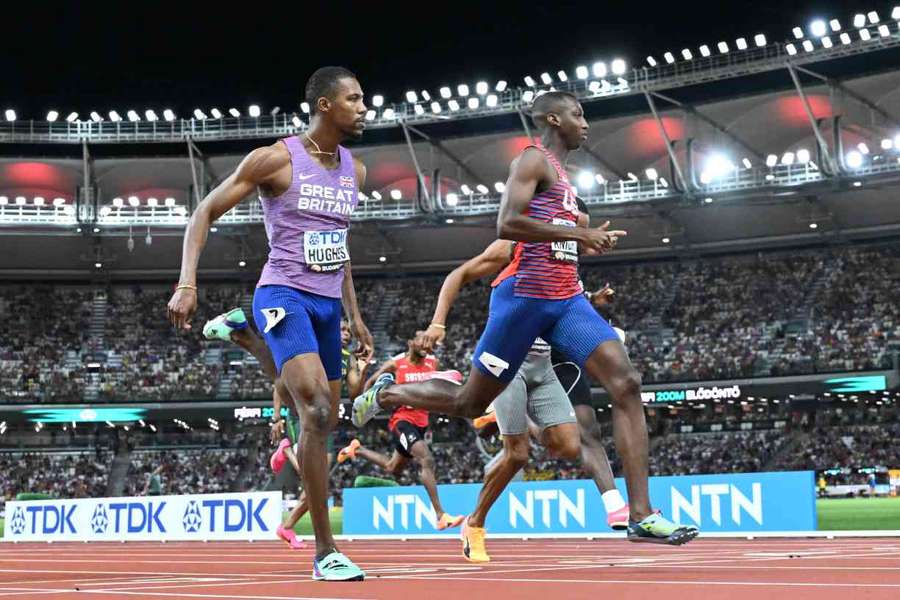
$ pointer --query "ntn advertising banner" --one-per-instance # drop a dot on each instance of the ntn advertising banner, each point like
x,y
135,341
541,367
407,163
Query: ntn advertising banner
x,y
749,502
245,516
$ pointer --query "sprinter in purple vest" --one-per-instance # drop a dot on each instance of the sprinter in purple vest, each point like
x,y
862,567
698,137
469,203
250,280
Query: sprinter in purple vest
x,y
308,186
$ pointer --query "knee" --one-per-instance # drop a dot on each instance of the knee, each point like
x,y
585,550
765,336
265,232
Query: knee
x,y
426,463
626,387
315,406
568,448
516,454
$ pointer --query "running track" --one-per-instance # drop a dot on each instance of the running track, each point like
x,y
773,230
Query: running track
x,y
417,570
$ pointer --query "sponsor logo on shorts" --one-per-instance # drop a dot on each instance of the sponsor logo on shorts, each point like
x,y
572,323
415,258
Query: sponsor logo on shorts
x,y
273,317
494,364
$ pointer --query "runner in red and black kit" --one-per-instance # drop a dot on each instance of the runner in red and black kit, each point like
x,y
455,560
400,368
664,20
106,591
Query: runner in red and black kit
x,y
539,295
409,425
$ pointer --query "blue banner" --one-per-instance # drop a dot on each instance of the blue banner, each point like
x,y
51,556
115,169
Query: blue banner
x,y
747,502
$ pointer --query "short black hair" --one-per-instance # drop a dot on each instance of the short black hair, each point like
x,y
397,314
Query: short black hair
x,y
323,83
549,102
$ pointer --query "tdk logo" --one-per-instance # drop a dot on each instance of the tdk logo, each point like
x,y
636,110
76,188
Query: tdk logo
x,y
99,520
192,519
17,523
524,507
400,504
137,517
45,518
694,508
228,515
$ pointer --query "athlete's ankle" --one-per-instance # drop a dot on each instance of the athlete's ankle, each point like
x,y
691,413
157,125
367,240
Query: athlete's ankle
x,y
475,521
325,551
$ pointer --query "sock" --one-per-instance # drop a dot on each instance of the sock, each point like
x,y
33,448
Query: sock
x,y
612,500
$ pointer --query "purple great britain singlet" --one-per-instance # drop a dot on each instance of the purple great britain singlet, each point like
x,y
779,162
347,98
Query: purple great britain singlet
x,y
307,224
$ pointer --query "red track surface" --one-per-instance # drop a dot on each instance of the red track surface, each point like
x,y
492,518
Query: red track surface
x,y
426,570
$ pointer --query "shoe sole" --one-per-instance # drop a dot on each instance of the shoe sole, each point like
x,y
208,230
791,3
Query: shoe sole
x,y
618,525
357,578
669,541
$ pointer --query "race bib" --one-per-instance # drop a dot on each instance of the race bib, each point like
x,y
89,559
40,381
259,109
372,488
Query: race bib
x,y
564,251
325,251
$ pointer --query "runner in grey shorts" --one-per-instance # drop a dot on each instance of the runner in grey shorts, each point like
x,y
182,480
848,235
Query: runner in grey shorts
x,y
547,403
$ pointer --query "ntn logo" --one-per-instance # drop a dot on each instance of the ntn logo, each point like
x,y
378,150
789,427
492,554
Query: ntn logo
x,y
523,507
739,503
400,504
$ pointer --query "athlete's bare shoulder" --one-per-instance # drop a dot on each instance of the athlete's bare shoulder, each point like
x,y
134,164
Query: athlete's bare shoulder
x,y
532,164
269,167
360,169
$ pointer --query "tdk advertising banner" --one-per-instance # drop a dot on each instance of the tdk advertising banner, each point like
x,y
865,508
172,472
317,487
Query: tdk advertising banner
x,y
250,516
748,502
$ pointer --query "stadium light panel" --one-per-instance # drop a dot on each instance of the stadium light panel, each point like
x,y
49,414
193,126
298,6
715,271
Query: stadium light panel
x,y
491,100
501,86
835,25
482,189
826,42
425,95
859,20
170,201
168,115
546,79
887,144
759,39
670,58
791,49
118,202
445,92
38,201
787,158
705,51
411,96
666,240
845,38
599,69
454,105
10,115
652,174
20,200
199,114
4,200
95,117
618,66
236,113
741,43
808,45
216,113
863,147
436,107
650,61
481,88
895,13
663,182
388,113
97,265
382,259
873,17
864,35
418,109
528,96
96,230
813,225
581,71
686,53
473,103
370,115
897,142
500,187
798,33
396,194
72,117
747,163
377,102
802,156
152,202
818,28
561,75
376,195
594,87
452,199
133,116
883,30
465,189
59,201
529,81
449,221
133,201
242,263
585,180
52,116
723,47
253,110
708,200
717,166
462,89
854,159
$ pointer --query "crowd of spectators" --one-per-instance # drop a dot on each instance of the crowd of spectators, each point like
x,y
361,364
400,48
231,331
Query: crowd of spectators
x,y
188,471
777,313
61,475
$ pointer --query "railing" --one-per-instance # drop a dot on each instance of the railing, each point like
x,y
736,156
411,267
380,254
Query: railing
x,y
719,67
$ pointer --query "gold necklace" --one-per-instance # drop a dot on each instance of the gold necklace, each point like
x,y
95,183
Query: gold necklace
x,y
318,150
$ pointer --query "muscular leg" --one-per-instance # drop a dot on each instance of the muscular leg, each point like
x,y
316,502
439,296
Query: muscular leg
x,y
514,458
298,512
393,464
315,399
562,441
438,396
423,457
609,365
248,340
593,454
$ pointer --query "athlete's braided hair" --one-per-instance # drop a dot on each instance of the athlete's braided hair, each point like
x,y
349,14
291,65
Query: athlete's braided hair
x,y
323,83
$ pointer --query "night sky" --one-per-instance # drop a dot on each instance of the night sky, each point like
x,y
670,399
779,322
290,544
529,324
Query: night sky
x,y
186,56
